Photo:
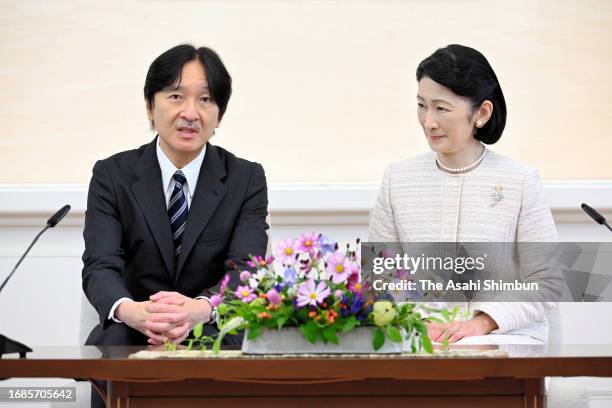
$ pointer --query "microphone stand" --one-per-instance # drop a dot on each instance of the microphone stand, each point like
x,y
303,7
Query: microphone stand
x,y
7,345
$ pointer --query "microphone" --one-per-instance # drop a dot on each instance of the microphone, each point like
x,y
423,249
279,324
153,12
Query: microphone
x,y
595,215
11,346
57,217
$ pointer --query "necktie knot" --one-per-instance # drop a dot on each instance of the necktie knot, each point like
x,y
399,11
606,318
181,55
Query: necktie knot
x,y
179,177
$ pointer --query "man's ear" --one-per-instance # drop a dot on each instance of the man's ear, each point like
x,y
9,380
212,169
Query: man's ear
x,y
150,114
148,109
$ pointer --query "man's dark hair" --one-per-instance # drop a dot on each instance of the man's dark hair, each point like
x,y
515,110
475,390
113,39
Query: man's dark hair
x,y
166,72
467,73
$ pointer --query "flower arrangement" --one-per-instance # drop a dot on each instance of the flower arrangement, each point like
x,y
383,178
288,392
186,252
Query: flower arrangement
x,y
311,284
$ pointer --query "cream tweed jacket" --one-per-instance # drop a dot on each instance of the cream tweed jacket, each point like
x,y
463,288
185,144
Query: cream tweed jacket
x,y
418,202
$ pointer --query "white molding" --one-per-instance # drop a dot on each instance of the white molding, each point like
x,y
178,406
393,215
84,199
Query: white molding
x,y
291,203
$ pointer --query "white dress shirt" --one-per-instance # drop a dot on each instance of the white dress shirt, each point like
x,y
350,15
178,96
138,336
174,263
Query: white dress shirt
x,y
191,172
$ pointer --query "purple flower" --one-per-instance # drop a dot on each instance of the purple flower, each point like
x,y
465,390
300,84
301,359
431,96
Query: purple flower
x,y
244,275
339,267
286,250
216,300
245,294
353,282
307,294
308,243
357,304
326,244
273,297
290,276
305,263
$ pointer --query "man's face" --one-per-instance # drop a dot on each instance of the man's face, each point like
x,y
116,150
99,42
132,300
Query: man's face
x,y
185,116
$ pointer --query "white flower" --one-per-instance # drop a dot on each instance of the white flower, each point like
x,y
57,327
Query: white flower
x,y
256,278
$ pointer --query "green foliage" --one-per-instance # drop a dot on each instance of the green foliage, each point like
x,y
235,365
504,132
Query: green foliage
x,y
272,305
329,334
378,339
349,324
310,331
198,330
394,334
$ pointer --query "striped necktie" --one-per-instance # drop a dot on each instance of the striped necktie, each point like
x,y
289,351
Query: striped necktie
x,y
177,211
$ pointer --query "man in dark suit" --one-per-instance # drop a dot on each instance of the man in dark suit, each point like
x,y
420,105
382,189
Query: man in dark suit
x,y
166,221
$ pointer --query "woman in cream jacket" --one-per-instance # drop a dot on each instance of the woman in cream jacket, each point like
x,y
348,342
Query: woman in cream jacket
x,y
464,192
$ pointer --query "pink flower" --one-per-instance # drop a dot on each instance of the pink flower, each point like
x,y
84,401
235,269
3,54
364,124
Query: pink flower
x,y
224,282
273,297
285,251
260,262
216,300
308,243
339,267
307,294
245,294
353,282
338,294
244,275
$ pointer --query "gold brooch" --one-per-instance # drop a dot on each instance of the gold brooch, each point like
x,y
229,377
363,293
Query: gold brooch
x,y
497,195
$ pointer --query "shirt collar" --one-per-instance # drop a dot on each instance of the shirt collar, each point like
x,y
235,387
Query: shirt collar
x,y
191,170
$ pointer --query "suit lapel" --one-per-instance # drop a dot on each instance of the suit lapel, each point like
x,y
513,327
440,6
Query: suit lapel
x,y
149,194
207,197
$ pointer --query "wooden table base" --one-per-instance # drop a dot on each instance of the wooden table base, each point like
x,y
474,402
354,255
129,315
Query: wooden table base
x,y
354,393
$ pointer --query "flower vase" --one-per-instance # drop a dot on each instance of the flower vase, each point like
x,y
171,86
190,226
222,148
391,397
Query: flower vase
x,y
290,340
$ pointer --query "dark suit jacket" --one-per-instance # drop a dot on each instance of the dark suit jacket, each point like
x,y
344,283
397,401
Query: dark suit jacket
x,y
128,242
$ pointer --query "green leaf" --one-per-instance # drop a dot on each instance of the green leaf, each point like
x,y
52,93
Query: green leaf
x,y
394,334
197,330
190,344
281,321
216,346
420,328
426,343
310,331
254,331
454,313
329,334
222,309
379,339
446,315
349,324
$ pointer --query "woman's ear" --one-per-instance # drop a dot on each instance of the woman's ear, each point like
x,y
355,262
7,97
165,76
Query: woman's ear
x,y
483,114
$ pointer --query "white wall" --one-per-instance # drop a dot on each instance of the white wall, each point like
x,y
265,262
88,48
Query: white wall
x,y
324,89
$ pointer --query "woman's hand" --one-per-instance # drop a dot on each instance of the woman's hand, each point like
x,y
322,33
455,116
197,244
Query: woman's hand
x,y
480,325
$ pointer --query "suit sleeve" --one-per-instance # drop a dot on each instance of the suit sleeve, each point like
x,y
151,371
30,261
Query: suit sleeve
x,y
103,259
249,236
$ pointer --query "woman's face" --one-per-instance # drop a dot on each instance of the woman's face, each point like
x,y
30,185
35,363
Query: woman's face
x,y
447,118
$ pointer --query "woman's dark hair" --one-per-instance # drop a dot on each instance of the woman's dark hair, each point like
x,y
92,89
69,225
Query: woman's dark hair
x,y
166,72
467,73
